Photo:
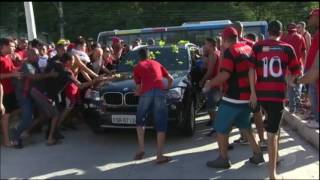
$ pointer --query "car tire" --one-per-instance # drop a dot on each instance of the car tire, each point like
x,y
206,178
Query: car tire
x,y
189,123
93,122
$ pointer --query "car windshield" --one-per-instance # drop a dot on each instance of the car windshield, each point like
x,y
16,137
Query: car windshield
x,y
173,58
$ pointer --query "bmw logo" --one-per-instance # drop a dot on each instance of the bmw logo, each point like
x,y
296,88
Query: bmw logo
x,y
125,89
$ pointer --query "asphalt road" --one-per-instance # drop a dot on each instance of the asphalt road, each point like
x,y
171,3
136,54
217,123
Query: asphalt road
x,y
84,154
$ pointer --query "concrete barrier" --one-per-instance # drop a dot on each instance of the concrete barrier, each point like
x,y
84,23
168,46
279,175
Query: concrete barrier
x,y
300,126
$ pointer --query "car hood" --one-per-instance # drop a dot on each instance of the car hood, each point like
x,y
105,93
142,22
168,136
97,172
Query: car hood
x,y
126,83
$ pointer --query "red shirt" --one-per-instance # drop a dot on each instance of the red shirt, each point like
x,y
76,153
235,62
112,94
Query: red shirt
x,y
6,67
22,56
236,62
271,61
297,42
216,54
313,50
149,73
247,41
72,91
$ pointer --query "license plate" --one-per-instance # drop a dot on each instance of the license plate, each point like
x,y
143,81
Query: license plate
x,y
123,119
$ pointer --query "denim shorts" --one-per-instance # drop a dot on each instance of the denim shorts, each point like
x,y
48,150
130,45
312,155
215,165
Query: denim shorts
x,y
213,98
229,114
153,102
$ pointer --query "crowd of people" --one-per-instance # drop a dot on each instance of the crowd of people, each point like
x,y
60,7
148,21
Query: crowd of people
x,y
47,82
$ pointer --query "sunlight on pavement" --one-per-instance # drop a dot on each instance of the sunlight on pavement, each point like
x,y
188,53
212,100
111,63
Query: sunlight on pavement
x,y
77,172
111,166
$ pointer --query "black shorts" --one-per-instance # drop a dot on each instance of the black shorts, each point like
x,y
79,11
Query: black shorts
x,y
10,102
274,112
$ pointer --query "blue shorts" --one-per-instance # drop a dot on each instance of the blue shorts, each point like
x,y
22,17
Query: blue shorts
x,y
153,101
230,114
213,98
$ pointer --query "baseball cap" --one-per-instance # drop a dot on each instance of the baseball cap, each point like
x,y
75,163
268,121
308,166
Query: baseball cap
x,y
71,46
314,12
275,26
116,40
62,42
229,32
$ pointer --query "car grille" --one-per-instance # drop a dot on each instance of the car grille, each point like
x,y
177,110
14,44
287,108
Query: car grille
x,y
114,99
131,99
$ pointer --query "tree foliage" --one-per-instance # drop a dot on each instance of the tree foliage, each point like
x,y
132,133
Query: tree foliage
x,y
90,18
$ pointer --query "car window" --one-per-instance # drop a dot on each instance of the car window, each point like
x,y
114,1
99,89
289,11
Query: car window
x,y
171,57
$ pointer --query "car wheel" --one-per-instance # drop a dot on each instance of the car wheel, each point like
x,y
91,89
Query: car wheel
x,y
93,122
189,119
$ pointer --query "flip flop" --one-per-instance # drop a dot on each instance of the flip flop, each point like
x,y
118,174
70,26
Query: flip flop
x,y
139,156
56,142
165,159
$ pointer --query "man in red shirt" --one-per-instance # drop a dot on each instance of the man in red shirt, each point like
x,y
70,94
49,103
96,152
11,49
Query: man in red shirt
x,y
21,51
313,22
148,75
7,72
234,107
212,65
299,45
301,29
296,41
271,60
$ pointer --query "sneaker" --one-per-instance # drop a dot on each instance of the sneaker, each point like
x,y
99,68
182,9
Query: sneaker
x,y
219,163
257,158
241,140
313,124
263,144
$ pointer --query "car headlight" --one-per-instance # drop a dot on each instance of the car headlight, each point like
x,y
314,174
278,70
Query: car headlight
x,y
92,94
174,93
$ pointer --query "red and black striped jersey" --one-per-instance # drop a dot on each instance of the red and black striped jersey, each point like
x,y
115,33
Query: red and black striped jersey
x,y
236,61
271,60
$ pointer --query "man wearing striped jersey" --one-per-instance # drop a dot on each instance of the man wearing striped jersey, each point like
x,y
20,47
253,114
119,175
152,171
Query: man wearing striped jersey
x,y
272,59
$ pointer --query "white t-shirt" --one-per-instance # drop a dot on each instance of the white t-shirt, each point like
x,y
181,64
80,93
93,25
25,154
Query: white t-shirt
x,y
82,55
43,61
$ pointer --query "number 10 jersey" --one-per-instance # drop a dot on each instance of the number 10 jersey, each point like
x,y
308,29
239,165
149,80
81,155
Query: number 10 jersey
x,y
272,59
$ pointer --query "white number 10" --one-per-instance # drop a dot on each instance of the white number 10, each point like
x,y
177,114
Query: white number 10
x,y
268,67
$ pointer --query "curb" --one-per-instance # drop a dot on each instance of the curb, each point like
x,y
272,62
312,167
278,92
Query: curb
x,y
300,126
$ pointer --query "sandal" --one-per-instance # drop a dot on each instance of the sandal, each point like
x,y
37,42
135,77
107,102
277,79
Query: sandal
x,y
139,156
165,159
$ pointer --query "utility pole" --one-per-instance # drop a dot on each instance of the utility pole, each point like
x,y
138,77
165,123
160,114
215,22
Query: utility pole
x,y
31,26
61,20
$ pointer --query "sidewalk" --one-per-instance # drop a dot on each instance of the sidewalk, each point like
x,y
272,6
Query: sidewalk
x,y
300,126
